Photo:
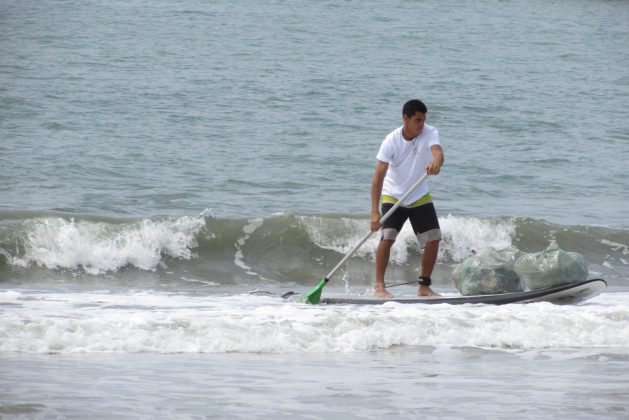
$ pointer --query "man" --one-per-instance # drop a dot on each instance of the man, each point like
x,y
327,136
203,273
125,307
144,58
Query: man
x,y
404,155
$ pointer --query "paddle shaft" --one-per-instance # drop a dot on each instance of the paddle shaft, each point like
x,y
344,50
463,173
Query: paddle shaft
x,y
382,220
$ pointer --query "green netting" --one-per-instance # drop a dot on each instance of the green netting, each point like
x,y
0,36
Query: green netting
x,y
488,272
551,267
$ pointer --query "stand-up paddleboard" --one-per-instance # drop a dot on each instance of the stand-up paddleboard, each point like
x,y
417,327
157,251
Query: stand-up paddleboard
x,y
563,295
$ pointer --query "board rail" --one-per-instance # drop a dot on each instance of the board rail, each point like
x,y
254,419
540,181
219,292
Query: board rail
x,y
566,294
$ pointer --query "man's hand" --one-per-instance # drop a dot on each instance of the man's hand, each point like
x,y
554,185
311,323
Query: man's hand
x,y
376,191
437,160
433,168
375,222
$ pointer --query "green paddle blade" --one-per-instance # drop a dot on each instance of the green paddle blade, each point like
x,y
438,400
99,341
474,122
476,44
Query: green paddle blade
x,y
314,296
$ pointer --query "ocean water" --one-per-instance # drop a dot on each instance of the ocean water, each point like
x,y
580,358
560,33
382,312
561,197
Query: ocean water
x,y
160,161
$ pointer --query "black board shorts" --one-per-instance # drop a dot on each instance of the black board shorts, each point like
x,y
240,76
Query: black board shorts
x,y
423,220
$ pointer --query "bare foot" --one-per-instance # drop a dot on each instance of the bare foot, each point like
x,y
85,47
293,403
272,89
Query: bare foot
x,y
381,293
426,291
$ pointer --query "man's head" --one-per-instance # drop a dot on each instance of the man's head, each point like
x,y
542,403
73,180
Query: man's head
x,y
414,115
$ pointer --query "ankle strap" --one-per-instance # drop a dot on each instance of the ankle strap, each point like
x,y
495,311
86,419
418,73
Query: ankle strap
x,y
425,280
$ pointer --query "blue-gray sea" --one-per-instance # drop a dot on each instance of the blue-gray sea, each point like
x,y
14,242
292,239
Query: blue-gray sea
x,y
160,160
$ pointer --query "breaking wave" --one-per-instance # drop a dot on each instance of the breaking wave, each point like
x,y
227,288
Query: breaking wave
x,y
280,247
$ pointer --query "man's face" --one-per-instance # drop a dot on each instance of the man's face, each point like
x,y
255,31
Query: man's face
x,y
414,125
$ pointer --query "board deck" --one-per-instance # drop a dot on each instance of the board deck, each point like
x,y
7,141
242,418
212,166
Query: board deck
x,y
563,295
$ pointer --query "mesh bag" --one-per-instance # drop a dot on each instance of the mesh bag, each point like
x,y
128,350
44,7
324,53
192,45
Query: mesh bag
x,y
488,272
551,267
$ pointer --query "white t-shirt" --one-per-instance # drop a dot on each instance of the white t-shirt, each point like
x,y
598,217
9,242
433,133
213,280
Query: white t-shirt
x,y
407,161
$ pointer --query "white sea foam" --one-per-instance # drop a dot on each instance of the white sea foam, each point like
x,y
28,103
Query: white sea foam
x,y
616,246
169,323
461,236
239,258
100,247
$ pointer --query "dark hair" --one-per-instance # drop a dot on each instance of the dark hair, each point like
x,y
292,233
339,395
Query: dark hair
x,y
414,106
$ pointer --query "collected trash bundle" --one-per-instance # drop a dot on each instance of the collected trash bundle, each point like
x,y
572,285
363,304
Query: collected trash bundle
x,y
488,272
492,272
551,267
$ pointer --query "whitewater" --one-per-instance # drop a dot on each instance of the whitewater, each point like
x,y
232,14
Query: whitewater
x,y
153,322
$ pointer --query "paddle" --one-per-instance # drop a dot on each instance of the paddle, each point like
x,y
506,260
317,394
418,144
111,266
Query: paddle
x,y
314,296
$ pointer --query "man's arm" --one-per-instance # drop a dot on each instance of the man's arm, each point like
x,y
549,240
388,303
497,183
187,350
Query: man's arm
x,y
376,191
434,167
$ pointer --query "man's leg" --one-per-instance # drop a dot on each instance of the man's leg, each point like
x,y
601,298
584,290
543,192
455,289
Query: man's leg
x,y
392,226
426,227
428,264
382,261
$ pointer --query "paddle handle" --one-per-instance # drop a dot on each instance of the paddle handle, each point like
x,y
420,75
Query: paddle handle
x,y
382,220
